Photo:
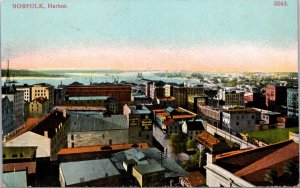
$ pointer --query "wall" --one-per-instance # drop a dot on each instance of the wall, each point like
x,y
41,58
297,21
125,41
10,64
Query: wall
x,y
93,138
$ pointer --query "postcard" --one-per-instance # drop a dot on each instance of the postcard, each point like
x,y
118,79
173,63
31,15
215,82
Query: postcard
x,y
122,93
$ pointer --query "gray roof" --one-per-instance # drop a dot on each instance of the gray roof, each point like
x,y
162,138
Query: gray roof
x,y
83,123
89,98
15,179
136,110
149,168
75,172
172,169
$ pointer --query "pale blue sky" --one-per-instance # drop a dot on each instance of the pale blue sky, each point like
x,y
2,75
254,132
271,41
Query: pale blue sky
x,y
169,23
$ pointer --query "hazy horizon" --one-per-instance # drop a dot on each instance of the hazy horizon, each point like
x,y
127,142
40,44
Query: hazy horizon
x,y
206,36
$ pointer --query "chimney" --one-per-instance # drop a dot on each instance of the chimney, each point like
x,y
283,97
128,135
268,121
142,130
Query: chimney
x,y
65,113
210,158
46,134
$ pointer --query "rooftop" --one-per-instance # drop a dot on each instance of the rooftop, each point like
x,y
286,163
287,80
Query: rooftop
x,y
172,169
89,98
194,179
80,108
248,163
87,170
41,100
15,179
139,110
207,139
83,123
151,167
88,149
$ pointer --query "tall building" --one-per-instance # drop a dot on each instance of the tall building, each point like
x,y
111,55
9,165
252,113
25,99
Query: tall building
x,y
45,91
7,116
118,91
276,97
157,90
181,94
17,100
27,91
292,101
231,98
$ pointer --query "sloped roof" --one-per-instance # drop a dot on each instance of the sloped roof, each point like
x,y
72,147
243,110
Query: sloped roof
x,y
15,179
89,149
83,123
76,172
172,169
41,100
194,179
32,139
207,139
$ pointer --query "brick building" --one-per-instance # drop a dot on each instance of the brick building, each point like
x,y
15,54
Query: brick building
x,y
120,92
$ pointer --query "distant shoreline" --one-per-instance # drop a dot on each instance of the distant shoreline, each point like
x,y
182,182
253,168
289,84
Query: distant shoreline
x,y
28,73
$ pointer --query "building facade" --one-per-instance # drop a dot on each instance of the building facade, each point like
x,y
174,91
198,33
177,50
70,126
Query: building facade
x,y
120,92
237,121
45,91
7,116
181,94
38,107
292,102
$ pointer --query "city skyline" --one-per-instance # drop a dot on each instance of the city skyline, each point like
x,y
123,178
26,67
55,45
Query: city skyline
x,y
213,36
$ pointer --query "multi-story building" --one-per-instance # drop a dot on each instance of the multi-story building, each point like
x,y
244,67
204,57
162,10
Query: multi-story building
x,y
167,102
192,128
231,98
59,95
91,131
7,116
181,94
118,91
38,107
139,122
17,99
157,90
27,91
292,101
237,121
45,91
194,101
276,96
212,115
168,90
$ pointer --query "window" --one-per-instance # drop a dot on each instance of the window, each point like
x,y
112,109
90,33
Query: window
x,y
147,137
252,116
72,137
140,134
4,156
72,145
21,155
110,141
103,136
14,155
237,123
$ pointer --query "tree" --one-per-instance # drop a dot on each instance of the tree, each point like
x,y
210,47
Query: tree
x,y
191,145
271,176
177,143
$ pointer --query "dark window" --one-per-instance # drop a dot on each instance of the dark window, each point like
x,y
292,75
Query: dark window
x,y
140,134
4,156
237,123
72,137
110,142
14,155
103,135
72,145
147,137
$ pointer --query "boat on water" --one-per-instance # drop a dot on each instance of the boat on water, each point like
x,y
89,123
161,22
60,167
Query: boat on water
x,y
140,75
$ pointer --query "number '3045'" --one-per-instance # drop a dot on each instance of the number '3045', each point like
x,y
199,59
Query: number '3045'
x,y
280,3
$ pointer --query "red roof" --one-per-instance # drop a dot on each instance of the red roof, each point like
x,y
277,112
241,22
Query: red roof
x,y
90,149
194,179
81,108
41,100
